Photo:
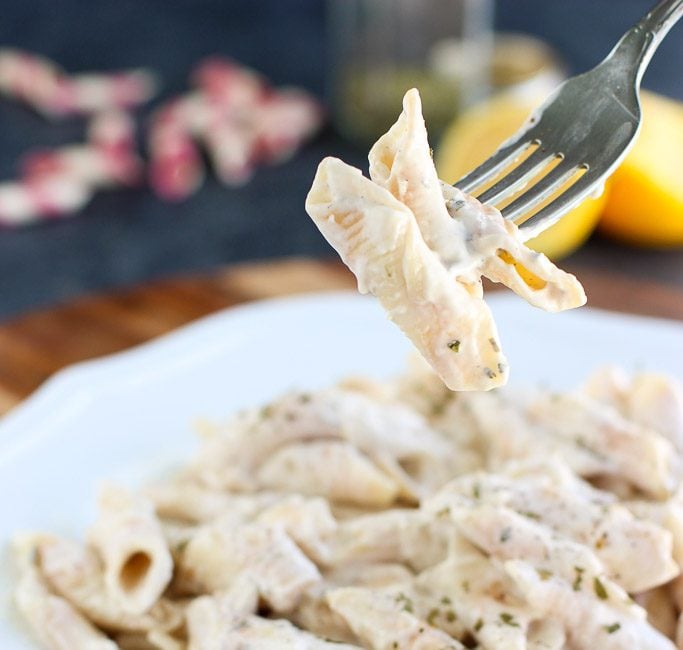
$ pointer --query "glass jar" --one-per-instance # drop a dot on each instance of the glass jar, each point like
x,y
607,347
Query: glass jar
x,y
381,48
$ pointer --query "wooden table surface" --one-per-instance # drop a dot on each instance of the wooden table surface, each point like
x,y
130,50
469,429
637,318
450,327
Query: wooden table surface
x,y
36,345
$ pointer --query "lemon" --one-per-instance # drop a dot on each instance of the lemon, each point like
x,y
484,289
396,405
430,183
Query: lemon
x,y
645,205
478,132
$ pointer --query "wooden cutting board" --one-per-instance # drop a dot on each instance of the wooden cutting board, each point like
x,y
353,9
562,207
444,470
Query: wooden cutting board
x,y
34,346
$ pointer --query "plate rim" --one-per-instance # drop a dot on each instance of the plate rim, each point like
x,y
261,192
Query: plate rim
x,y
73,383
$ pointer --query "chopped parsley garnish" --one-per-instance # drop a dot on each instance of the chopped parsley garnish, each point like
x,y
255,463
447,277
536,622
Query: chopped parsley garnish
x,y
505,534
611,629
530,515
508,619
438,408
445,600
433,615
544,574
407,603
476,491
578,578
494,345
601,541
600,590
454,345
478,625
489,373
582,444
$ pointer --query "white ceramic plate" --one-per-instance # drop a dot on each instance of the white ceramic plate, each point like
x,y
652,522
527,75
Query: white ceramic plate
x,y
129,415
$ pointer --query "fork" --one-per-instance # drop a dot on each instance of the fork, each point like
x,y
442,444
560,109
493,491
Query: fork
x,y
577,137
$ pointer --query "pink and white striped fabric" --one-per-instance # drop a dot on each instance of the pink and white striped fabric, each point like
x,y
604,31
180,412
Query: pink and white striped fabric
x,y
232,113
239,119
58,182
45,87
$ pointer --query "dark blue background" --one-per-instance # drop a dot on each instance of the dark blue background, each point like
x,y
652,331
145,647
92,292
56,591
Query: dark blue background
x,y
127,236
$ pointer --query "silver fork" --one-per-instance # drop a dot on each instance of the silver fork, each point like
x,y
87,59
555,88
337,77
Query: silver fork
x,y
585,127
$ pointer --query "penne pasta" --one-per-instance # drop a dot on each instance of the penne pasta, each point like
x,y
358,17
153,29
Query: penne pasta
x,y
400,516
129,539
421,247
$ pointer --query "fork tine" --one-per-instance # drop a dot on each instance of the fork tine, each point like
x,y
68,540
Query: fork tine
x,y
552,212
540,191
516,178
505,155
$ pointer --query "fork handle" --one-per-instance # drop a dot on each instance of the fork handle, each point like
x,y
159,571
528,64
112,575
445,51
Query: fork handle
x,y
636,47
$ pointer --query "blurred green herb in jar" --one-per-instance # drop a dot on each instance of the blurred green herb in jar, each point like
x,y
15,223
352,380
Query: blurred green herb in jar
x,y
381,48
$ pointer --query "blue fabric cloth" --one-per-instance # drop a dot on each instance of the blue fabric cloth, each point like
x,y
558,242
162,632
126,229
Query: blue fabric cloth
x,y
129,236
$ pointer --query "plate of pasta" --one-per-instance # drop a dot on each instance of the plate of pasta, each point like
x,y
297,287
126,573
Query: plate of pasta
x,y
337,495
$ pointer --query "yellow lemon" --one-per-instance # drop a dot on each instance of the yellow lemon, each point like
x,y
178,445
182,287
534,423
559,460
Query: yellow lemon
x,y
645,204
478,133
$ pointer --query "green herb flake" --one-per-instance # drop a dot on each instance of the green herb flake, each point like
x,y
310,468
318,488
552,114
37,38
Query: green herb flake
x,y
578,578
599,588
454,345
505,534
407,603
544,574
433,615
489,373
530,515
465,584
494,345
601,542
451,616
476,491
611,629
478,625
583,445
444,512
508,619
438,408
445,600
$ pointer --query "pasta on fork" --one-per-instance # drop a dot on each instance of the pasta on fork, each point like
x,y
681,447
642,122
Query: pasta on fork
x,y
421,247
